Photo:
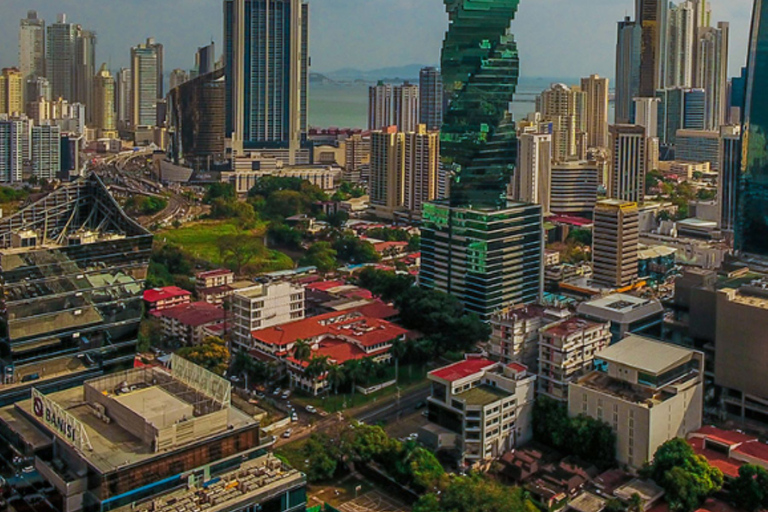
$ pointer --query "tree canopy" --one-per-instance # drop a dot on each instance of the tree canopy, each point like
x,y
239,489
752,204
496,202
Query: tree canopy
x,y
212,354
750,490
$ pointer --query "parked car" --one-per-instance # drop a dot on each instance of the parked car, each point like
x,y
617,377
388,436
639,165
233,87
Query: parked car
x,y
311,409
294,417
287,433
276,391
286,394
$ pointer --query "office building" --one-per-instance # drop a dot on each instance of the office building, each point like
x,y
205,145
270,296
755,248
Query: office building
x,y
680,109
573,188
615,239
421,161
431,98
387,182
178,77
480,65
36,88
14,148
567,351
262,306
405,104
488,259
596,110
647,115
123,101
713,73
628,162
104,104
61,57
196,118
379,106
698,146
626,313
628,43
515,333
205,59
565,108
694,109
90,261
728,178
85,70
531,182
651,15
144,87
736,98
740,356
682,40
32,47
485,407
267,73
45,151
11,92
649,392
152,439
752,223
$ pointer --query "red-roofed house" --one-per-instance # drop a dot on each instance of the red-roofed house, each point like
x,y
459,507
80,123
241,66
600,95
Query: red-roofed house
x,y
187,322
158,299
341,336
728,449
487,404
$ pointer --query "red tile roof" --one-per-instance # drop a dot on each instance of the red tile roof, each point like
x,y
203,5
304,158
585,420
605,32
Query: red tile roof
x,y
728,437
754,449
169,292
377,309
194,314
337,351
360,293
325,285
570,219
518,367
462,369
729,467
383,246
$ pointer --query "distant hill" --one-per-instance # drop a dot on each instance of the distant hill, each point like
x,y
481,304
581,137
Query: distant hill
x,y
399,73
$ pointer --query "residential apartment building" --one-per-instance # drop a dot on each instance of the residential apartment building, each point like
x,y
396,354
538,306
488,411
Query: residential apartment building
x,y
573,187
380,106
487,405
615,241
531,182
261,306
649,392
515,333
628,163
158,299
596,110
187,322
406,107
11,92
567,351
45,151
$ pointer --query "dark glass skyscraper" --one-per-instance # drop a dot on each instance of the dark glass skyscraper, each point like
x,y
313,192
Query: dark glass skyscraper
x,y
480,68
431,97
752,221
627,69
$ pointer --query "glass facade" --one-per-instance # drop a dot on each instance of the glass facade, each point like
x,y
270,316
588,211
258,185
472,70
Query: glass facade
x,y
752,221
72,268
480,68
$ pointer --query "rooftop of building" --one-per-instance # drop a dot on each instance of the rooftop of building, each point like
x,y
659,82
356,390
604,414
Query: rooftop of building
x,y
349,324
587,502
165,293
219,272
646,355
254,481
621,307
570,326
648,490
480,396
655,251
337,351
571,220
462,369
194,314
519,313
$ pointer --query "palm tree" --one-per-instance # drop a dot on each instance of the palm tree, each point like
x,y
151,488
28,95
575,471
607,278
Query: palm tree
x,y
336,377
302,350
317,366
354,371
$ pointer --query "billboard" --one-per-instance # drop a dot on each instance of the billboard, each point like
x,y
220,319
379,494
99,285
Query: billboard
x,y
60,421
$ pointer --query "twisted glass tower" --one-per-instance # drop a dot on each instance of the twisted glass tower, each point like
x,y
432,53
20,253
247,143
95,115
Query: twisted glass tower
x,y
752,217
480,68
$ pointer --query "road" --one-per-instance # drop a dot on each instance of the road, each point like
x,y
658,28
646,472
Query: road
x,y
394,409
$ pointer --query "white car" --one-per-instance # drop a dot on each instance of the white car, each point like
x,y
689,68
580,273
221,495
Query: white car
x,y
287,433
294,417
311,409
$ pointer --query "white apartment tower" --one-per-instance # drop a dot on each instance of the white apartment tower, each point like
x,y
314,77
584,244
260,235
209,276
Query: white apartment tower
x,y
534,165
261,306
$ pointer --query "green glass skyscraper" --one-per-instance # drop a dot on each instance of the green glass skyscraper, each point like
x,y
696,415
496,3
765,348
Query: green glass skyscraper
x,y
752,217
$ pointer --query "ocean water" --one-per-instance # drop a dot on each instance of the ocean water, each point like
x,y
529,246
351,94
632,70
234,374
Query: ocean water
x,y
345,105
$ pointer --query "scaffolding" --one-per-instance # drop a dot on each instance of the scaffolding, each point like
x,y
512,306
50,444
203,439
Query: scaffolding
x,y
202,380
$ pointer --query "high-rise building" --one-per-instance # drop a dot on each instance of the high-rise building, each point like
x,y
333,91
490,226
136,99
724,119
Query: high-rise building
x,y
565,108
11,92
36,88
57,334
728,179
422,161
431,98
615,239
698,146
489,259
651,15
596,91
694,109
45,148
205,59
104,103
32,47
405,104
713,73
737,100
267,73
144,88
627,69
160,72
573,187
681,42
14,148
85,69
531,182
123,101
679,109
647,115
387,171
178,77
628,163
379,106
61,52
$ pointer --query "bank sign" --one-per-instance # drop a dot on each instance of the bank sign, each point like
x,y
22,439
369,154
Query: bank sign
x,y
59,420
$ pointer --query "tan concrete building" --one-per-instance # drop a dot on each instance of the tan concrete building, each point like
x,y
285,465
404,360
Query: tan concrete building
x,y
628,163
567,351
565,108
515,332
104,103
11,92
615,239
648,392
596,92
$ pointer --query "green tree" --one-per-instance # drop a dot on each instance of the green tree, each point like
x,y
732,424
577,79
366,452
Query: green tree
x,y
750,490
285,203
320,255
475,493
238,250
425,468
150,333
352,249
302,350
336,377
219,190
387,285
211,354
414,244
323,462
285,235
687,478
581,236
317,366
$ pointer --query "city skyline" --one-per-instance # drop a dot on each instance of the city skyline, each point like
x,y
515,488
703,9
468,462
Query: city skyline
x,y
122,26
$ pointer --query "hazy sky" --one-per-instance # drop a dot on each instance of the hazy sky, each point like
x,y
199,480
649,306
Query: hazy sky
x,y
557,38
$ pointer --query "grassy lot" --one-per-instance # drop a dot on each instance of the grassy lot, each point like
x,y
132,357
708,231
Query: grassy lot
x,y
199,239
410,378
